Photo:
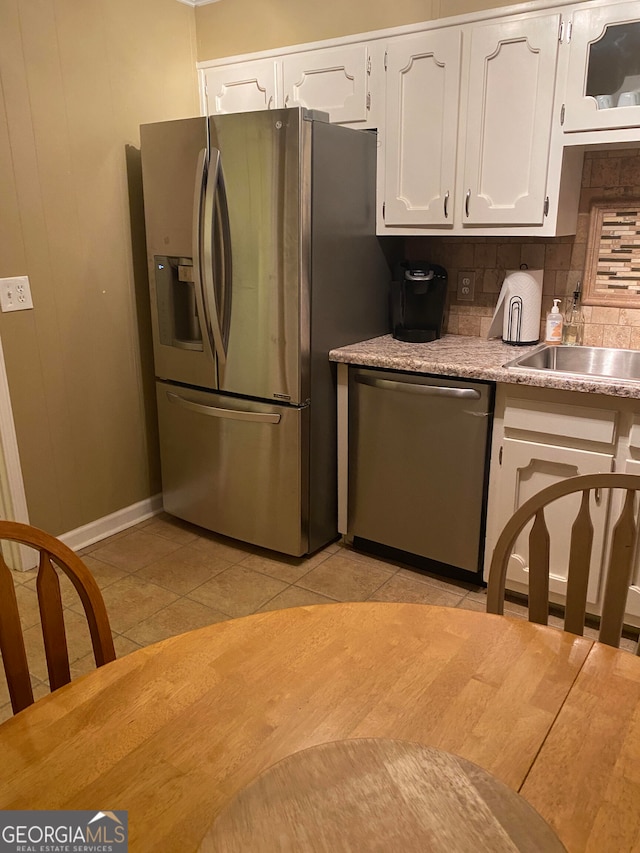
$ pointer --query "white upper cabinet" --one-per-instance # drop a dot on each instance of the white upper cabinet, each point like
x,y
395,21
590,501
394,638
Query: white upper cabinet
x,y
468,126
603,78
507,121
423,82
241,87
334,80
482,121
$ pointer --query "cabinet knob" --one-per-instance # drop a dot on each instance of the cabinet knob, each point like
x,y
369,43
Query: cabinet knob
x,y
446,205
466,202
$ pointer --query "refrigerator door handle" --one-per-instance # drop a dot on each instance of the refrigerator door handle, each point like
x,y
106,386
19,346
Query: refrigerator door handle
x,y
208,258
198,195
215,412
223,260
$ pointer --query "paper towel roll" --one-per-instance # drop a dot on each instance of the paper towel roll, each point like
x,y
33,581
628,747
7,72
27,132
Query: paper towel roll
x,y
517,314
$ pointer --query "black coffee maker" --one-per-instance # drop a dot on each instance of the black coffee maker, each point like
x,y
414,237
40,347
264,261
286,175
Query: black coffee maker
x,y
418,299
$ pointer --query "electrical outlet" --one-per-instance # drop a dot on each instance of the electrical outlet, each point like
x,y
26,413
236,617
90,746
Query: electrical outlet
x,y
15,293
466,285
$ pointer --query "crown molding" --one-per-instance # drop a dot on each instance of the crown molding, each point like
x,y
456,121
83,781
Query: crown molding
x,y
194,3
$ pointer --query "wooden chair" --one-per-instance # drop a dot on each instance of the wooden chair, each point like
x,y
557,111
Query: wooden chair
x,y
622,550
12,647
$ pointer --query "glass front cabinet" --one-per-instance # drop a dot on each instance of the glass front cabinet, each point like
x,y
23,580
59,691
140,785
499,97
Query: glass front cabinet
x,y
603,81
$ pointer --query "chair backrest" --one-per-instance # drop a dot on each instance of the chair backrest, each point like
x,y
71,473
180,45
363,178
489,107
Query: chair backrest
x,y
621,555
52,551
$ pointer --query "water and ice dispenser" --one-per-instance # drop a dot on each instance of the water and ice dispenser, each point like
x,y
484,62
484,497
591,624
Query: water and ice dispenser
x,y
178,322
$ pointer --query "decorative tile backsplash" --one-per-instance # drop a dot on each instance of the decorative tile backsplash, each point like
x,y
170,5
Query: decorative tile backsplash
x,y
607,174
612,274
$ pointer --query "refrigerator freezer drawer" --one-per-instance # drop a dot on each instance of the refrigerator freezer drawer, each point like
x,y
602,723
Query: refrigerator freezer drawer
x,y
235,466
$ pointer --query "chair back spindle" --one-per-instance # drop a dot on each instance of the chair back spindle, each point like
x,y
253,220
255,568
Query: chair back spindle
x,y
53,554
539,546
52,619
619,574
14,656
580,548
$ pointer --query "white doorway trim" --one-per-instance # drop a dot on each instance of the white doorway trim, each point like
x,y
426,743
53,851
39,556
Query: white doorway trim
x,y
13,500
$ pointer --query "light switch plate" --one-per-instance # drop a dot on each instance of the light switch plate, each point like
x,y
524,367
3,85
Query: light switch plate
x,y
466,285
15,293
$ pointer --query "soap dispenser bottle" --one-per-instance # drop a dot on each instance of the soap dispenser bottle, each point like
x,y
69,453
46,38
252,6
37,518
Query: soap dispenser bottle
x,y
553,333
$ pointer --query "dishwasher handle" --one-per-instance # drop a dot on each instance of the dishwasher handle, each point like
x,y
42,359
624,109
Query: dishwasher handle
x,y
414,388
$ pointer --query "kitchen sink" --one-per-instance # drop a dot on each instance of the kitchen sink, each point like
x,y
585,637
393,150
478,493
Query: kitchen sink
x,y
581,361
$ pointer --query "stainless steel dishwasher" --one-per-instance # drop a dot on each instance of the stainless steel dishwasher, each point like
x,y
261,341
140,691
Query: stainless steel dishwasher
x,y
418,467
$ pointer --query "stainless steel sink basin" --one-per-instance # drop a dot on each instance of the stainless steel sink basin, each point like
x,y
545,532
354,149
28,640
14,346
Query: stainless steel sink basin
x,y
582,361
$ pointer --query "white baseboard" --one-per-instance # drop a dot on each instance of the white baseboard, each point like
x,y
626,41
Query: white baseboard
x,y
106,526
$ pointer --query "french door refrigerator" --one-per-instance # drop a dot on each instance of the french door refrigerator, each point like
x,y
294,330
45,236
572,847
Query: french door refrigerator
x,y
262,257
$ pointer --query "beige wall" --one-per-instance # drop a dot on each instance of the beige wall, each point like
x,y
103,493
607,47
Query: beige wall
x,y
77,78
231,27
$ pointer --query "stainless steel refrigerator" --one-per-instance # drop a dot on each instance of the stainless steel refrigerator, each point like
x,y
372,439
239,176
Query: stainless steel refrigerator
x,y
262,257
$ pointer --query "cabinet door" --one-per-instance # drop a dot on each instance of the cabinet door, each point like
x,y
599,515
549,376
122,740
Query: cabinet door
x,y
604,63
241,87
508,121
423,77
334,80
528,467
631,466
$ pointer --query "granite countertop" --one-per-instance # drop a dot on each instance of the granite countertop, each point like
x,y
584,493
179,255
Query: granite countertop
x,y
472,358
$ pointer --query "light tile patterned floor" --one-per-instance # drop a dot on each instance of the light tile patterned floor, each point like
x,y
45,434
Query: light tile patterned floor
x,y
164,577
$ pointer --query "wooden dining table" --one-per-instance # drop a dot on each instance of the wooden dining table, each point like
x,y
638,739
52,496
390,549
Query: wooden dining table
x,y
172,732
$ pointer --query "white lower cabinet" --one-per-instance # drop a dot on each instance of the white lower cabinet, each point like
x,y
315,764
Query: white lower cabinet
x,y
629,463
529,466
542,436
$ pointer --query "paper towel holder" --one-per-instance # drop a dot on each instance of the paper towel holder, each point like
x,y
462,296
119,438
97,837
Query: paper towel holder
x,y
517,315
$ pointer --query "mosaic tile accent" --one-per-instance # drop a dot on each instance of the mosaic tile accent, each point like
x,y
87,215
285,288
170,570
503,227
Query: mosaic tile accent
x,y
612,274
